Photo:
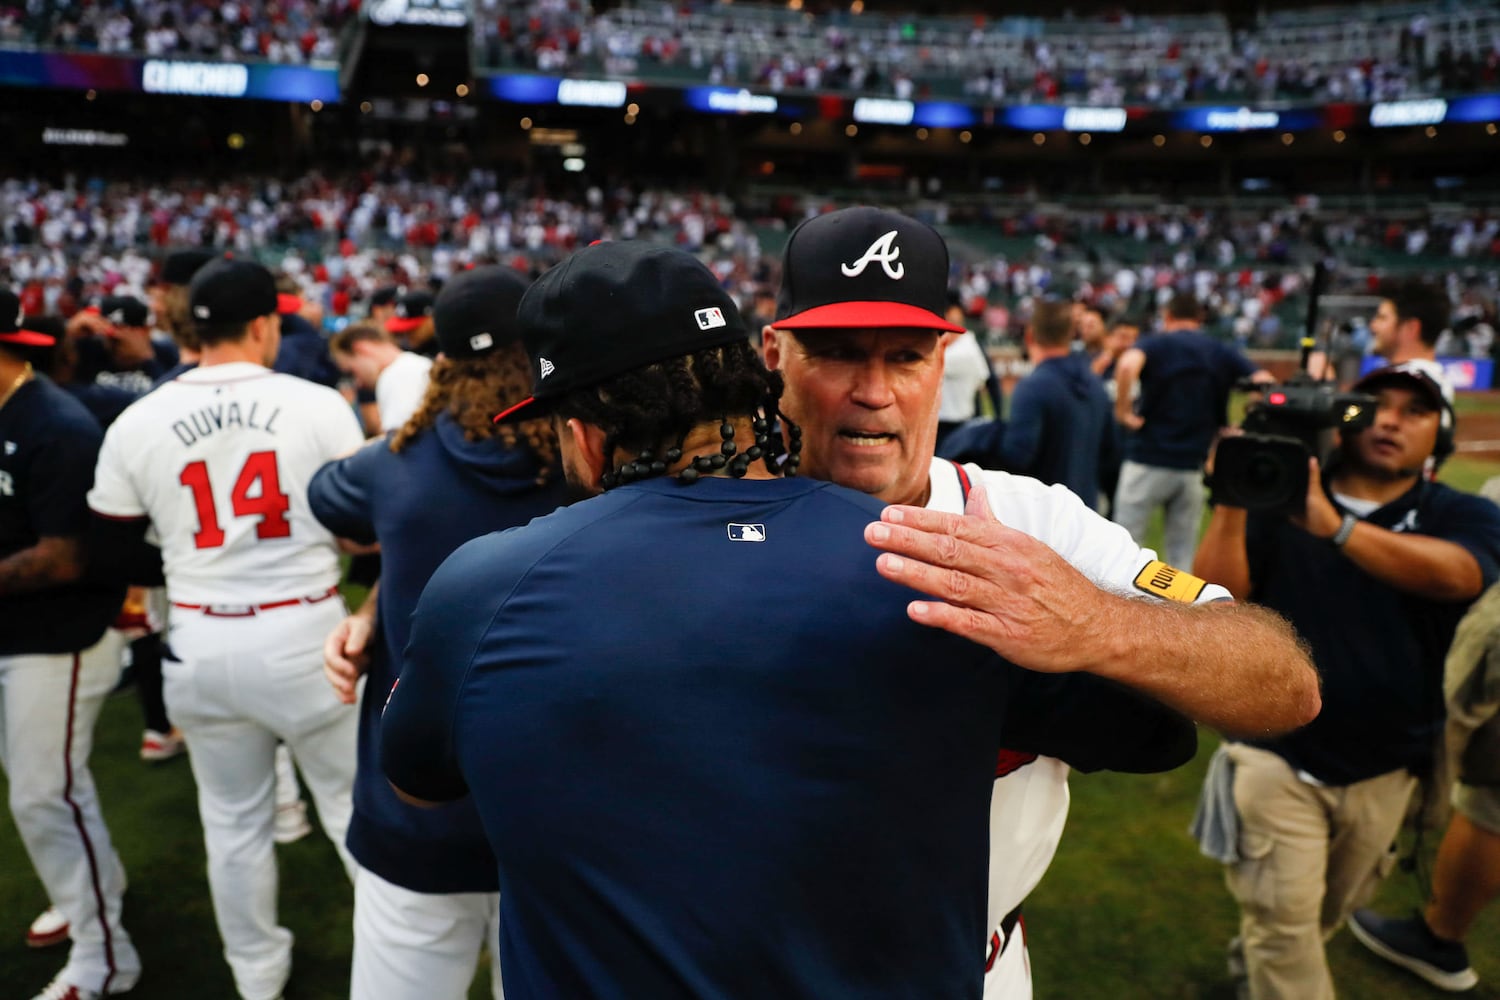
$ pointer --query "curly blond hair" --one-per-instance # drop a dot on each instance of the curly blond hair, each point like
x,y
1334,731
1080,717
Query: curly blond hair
x,y
471,391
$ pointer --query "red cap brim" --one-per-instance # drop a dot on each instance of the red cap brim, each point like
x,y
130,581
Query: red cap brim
x,y
28,337
867,316
526,409
287,303
404,324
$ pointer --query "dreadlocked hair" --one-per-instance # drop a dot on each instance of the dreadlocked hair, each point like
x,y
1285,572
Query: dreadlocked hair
x,y
470,391
648,412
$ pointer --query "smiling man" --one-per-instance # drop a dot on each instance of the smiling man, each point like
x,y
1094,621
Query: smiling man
x,y
1375,573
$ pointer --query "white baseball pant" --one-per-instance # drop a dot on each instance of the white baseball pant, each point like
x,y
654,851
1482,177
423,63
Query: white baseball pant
x,y
420,945
48,706
235,686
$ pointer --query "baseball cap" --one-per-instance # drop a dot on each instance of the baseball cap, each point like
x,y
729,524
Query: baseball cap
x,y
611,308
13,323
863,268
476,311
384,296
411,310
1426,376
231,291
179,266
124,310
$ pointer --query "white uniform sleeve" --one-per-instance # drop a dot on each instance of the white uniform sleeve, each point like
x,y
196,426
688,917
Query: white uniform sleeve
x,y
1100,549
113,493
341,434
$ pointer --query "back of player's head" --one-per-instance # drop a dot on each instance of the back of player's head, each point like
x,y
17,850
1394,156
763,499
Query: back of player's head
x,y
226,295
1184,307
643,342
1415,299
1052,323
864,269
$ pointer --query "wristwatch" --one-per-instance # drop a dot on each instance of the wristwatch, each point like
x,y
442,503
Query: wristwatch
x,y
1346,528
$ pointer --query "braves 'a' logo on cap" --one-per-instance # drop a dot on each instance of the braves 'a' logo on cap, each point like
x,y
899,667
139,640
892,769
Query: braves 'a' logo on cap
x,y
117,317
711,318
886,252
545,367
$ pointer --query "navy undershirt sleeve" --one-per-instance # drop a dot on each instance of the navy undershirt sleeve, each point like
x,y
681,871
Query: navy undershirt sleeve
x,y
1094,724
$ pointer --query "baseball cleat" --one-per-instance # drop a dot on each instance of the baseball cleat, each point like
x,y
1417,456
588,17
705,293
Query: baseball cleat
x,y
48,929
291,823
61,989
157,746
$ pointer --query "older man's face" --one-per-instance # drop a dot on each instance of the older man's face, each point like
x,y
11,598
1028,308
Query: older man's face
x,y
867,403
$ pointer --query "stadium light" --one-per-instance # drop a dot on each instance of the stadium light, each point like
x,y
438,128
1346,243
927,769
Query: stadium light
x,y
91,95
965,136
1338,135
1158,140
796,128
422,79
851,130
1039,138
1203,140
1084,138
462,90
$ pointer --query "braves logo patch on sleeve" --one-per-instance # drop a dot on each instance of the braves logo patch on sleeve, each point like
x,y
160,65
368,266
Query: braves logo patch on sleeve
x,y
1169,583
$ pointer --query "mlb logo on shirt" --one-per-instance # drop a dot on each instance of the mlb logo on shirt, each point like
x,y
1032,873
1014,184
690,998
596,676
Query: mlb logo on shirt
x,y
710,319
747,532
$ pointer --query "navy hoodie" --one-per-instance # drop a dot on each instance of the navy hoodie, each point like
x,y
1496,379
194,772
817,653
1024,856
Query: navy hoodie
x,y
304,352
440,491
1060,426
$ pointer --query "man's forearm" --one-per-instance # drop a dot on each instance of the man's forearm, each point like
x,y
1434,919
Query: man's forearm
x,y
1238,668
48,563
1221,554
1433,568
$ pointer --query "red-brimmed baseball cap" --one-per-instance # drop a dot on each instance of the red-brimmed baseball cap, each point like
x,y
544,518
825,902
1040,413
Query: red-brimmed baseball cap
x,y
864,268
286,303
13,323
412,310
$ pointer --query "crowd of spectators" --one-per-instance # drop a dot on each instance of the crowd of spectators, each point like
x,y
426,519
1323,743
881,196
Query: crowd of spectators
x,y
1364,56
1368,55
280,31
342,236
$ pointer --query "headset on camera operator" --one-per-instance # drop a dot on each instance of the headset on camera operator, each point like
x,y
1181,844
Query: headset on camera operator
x,y
1374,568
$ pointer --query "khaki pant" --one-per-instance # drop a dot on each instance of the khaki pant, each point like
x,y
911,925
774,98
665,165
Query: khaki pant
x,y
1310,855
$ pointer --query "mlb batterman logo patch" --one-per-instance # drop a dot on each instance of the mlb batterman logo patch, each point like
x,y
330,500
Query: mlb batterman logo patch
x,y
710,319
747,532
1160,580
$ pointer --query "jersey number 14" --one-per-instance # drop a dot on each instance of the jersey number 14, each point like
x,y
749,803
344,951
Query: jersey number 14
x,y
267,502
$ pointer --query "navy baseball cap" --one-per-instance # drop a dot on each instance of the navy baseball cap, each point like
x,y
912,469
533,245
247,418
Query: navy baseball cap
x,y
864,268
384,295
476,311
124,310
611,308
231,291
13,323
180,266
412,310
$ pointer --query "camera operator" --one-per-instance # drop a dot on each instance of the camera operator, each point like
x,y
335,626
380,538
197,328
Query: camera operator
x,y
1374,572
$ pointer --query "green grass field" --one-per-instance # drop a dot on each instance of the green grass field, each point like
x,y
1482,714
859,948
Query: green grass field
x,y
1128,911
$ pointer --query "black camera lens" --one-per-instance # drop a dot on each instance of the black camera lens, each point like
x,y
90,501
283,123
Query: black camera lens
x,y
1267,478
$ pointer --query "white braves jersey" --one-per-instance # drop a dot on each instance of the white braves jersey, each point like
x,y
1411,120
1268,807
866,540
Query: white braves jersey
x,y
1029,805
219,459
